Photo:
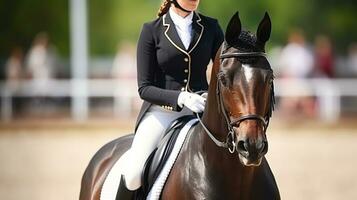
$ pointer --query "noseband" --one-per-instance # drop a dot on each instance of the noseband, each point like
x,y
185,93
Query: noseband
x,y
231,139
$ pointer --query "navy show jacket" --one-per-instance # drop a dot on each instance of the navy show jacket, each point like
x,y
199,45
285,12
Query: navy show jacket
x,y
165,67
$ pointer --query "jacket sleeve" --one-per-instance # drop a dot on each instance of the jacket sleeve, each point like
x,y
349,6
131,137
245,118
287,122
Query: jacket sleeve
x,y
218,40
146,67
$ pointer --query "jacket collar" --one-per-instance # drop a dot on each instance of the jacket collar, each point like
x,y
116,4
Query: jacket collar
x,y
172,35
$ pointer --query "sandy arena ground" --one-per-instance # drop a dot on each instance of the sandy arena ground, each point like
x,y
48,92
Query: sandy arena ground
x,y
45,162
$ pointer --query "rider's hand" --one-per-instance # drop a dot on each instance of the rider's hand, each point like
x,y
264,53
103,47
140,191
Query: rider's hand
x,y
192,101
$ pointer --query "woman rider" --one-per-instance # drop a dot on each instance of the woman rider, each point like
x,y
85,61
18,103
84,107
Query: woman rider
x,y
172,56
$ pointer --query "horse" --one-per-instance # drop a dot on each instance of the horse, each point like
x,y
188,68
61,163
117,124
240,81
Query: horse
x,y
223,156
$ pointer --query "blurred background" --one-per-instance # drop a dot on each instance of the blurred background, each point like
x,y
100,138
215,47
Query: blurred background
x,y
68,86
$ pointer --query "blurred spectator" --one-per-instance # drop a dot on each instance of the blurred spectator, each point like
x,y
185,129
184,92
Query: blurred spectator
x,y
124,68
13,68
124,64
274,58
352,58
324,60
41,60
296,62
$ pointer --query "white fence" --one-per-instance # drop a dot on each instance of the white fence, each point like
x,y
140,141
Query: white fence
x,y
122,92
327,91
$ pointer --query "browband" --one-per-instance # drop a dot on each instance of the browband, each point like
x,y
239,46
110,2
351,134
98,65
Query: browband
x,y
243,54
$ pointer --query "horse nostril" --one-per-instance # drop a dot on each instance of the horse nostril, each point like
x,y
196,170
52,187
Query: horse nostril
x,y
260,147
242,147
265,147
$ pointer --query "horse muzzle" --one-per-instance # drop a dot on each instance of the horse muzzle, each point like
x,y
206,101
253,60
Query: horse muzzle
x,y
251,151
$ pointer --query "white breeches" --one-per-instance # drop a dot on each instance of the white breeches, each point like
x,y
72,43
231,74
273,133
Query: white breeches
x,y
149,132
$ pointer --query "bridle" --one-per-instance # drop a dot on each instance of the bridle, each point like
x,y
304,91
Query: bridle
x,y
231,139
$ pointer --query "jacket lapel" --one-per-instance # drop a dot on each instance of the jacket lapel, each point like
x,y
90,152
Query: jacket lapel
x,y
171,33
197,30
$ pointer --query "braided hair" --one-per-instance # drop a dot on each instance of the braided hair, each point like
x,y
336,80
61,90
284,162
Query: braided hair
x,y
164,8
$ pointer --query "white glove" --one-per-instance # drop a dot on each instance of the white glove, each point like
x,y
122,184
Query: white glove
x,y
192,101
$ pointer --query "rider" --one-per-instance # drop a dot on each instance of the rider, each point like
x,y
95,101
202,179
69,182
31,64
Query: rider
x,y
172,56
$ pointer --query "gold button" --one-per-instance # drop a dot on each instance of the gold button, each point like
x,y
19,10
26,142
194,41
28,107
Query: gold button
x,y
186,70
186,59
185,81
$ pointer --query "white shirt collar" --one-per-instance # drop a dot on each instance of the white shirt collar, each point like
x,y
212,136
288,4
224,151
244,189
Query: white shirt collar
x,y
180,21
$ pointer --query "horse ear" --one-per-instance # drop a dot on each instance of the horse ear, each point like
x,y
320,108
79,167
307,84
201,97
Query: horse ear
x,y
264,29
233,29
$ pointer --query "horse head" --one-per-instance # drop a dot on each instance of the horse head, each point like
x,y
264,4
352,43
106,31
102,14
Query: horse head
x,y
245,91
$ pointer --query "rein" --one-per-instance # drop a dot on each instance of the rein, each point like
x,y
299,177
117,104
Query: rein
x,y
231,142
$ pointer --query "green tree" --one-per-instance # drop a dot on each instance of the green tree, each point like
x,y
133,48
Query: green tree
x,y
21,20
112,21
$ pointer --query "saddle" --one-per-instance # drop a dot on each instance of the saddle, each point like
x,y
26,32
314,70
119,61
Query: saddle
x,y
158,157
